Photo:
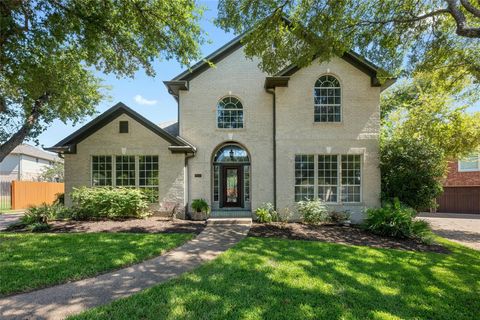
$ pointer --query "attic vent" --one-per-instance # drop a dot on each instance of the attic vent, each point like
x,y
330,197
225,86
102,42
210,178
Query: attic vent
x,y
123,127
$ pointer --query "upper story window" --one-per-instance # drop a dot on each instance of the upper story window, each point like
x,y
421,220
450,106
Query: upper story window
x,y
229,113
327,99
470,163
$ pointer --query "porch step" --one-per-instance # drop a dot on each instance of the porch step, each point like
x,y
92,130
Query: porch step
x,y
211,221
231,214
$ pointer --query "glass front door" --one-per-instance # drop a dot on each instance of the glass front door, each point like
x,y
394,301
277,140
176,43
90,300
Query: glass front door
x,y
232,186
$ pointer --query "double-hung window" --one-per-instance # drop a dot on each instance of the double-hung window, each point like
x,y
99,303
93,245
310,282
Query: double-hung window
x,y
330,178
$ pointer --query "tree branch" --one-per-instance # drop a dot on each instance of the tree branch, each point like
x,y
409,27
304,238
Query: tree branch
x,y
18,137
471,8
460,20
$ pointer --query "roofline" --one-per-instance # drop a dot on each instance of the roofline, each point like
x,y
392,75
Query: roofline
x,y
68,144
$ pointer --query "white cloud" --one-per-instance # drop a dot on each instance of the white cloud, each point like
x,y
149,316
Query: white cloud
x,y
143,101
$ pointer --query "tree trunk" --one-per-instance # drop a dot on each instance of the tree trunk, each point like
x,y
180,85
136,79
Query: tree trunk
x,y
18,137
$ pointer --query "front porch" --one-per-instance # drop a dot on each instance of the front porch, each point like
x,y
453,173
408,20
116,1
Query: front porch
x,y
229,213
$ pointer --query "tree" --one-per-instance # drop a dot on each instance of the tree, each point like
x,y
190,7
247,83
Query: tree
x,y
49,50
411,170
53,173
431,107
426,34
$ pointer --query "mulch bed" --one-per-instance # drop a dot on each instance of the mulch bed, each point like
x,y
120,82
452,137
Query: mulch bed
x,y
339,234
148,225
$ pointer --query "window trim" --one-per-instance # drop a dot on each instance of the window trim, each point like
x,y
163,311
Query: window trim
x,y
339,177
217,112
341,99
469,170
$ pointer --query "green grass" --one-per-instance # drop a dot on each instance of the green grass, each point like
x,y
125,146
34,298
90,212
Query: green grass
x,y
30,261
285,279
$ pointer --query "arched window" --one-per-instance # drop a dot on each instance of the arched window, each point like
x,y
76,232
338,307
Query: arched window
x,y
327,99
231,153
229,113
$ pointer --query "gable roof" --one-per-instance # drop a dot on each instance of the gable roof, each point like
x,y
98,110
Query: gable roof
x,y
69,144
28,150
180,82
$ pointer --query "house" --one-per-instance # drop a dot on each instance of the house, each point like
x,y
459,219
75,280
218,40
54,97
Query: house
x,y
243,138
26,163
461,188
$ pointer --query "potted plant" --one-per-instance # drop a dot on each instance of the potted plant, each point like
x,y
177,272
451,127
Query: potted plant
x,y
200,209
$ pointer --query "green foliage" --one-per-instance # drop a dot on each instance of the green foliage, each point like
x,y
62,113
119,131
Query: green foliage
x,y
432,107
313,211
33,261
53,173
411,170
424,34
200,205
49,51
266,213
396,220
60,198
38,227
107,202
40,214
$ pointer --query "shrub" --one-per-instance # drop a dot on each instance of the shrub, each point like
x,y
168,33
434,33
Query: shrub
x,y
396,220
200,205
313,211
339,216
266,213
108,202
40,214
411,170
44,213
59,198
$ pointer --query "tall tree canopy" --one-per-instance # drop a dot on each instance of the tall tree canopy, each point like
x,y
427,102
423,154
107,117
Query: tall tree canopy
x,y
417,35
50,48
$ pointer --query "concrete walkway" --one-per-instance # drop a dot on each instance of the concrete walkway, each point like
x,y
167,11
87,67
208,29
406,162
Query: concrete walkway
x,y
7,219
61,301
461,228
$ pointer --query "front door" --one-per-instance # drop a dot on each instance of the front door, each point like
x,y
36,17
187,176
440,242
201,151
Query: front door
x,y
232,186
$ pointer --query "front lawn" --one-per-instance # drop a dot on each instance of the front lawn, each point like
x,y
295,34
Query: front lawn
x,y
291,279
30,261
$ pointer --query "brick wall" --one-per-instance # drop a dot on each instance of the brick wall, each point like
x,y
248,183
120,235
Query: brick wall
x,y
456,178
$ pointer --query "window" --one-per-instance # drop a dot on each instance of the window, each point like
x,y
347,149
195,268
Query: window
x,y
327,177
148,177
216,183
336,178
304,177
123,126
470,163
327,99
124,171
101,171
229,113
351,176
246,183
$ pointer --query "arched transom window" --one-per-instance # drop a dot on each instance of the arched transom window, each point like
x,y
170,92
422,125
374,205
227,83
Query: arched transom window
x,y
229,113
327,99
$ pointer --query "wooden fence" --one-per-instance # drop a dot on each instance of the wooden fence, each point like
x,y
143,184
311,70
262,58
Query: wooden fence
x,y
5,195
30,193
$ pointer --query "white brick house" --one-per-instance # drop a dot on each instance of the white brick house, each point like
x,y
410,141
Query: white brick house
x,y
244,137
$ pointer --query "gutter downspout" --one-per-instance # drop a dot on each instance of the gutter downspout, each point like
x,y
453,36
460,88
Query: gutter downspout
x,y
274,127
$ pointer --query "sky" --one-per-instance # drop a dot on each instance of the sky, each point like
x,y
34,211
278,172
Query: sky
x,y
146,95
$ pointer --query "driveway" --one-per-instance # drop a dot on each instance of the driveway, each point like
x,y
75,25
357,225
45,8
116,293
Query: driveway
x,y
7,219
461,228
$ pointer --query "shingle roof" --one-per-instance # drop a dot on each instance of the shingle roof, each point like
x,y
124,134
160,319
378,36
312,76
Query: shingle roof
x,y
31,151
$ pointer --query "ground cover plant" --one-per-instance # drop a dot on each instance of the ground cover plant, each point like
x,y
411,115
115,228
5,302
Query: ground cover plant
x,y
30,261
270,278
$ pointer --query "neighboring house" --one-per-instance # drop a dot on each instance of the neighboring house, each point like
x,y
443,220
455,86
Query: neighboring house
x,y
244,138
26,163
462,187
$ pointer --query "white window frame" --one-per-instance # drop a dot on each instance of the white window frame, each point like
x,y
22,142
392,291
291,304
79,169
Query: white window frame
x,y
469,170
339,178
114,171
340,105
217,113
